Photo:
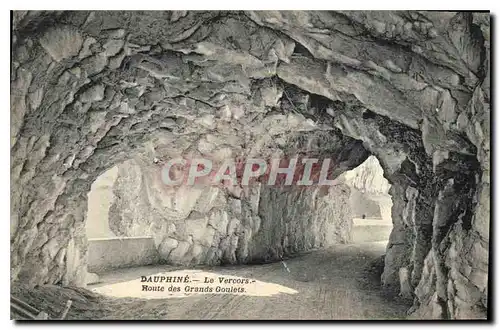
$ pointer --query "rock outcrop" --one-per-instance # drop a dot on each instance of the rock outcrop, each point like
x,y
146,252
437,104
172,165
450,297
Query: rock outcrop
x,y
92,89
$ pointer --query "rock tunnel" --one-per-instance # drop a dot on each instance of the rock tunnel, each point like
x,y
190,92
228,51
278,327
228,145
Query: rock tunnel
x,y
94,91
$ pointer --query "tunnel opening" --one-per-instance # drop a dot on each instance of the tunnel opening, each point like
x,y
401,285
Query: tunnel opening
x,y
86,96
109,247
216,225
99,201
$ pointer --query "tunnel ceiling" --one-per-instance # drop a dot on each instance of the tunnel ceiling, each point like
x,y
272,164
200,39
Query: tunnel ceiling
x,y
91,89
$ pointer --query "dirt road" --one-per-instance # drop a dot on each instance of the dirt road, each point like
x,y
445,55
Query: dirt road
x,y
338,283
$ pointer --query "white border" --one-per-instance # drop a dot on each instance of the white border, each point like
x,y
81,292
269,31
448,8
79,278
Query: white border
x,y
199,5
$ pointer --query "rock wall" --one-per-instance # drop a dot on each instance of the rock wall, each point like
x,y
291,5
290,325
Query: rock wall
x,y
93,89
212,225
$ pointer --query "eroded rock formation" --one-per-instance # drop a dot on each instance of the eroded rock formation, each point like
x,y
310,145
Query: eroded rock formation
x,y
92,89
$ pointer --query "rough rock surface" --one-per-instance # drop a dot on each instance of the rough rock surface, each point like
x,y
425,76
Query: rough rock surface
x,y
92,89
